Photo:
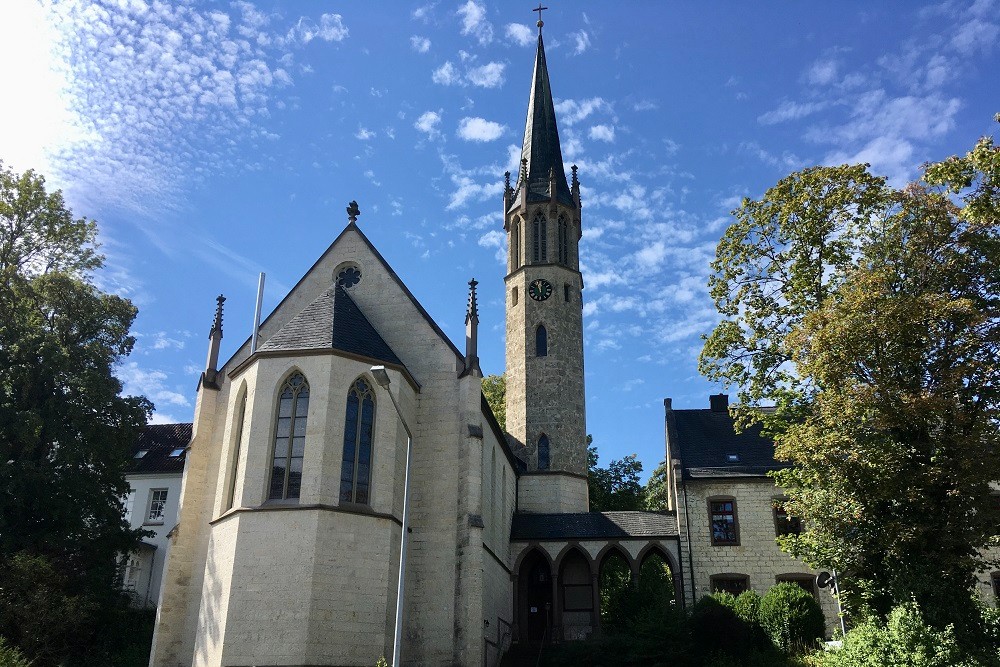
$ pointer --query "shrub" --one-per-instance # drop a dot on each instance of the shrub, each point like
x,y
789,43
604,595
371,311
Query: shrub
x,y
713,617
906,640
791,617
10,656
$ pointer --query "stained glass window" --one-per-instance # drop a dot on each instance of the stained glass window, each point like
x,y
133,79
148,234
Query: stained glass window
x,y
289,439
355,471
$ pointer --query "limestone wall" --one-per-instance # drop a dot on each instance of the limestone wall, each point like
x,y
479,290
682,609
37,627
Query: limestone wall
x,y
552,492
757,554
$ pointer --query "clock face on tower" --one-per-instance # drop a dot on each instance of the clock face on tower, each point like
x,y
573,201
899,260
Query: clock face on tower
x,y
539,289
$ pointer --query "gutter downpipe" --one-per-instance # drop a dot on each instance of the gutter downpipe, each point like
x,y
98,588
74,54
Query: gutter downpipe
x,y
397,654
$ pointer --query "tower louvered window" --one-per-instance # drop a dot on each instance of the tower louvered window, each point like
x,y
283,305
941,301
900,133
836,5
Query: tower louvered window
x,y
539,251
563,240
541,341
355,472
289,439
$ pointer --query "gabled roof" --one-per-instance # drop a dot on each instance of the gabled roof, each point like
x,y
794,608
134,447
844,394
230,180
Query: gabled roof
x,y
159,441
593,525
332,321
541,138
708,445
353,227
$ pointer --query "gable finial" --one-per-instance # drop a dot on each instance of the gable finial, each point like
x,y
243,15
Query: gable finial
x,y
217,324
472,334
540,23
353,212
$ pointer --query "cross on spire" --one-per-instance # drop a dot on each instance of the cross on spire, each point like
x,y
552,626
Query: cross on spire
x,y
540,23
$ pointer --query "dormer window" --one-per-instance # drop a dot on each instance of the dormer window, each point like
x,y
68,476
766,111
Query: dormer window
x,y
142,452
733,458
177,452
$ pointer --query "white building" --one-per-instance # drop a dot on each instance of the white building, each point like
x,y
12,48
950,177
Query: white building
x,y
154,477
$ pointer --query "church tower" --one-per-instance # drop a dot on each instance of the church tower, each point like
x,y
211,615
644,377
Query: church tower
x,y
545,393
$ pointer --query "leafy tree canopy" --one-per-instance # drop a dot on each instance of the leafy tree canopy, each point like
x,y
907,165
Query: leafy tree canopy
x,y
869,318
65,431
495,391
616,487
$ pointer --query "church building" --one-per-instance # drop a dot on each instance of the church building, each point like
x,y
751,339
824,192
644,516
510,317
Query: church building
x,y
349,421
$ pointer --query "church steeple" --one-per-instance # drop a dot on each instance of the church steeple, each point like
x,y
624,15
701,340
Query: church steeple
x,y
546,412
541,154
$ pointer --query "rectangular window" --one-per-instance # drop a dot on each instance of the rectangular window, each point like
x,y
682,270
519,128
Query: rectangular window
x,y
722,518
995,577
157,505
730,583
513,296
566,292
785,524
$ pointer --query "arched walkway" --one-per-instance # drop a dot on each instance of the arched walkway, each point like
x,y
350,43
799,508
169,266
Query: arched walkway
x,y
577,605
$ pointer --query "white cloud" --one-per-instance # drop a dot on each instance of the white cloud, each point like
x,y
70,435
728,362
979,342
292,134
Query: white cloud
x,y
581,41
331,28
152,384
822,72
420,44
446,75
789,110
428,123
571,112
520,34
480,129
474,22
489,75
602,133
466,190
364,134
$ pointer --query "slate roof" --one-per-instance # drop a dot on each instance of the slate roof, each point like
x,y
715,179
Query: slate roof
x,y
593,525
541,138
704,440
158,441
332,321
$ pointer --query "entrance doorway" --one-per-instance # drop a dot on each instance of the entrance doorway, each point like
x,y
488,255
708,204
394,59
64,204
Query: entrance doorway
x,y
534,597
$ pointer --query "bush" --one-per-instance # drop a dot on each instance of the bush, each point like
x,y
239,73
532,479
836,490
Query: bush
x,y
906,640
792,618
714,616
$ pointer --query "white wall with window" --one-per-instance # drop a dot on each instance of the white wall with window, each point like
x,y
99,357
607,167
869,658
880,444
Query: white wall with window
x,y
151,505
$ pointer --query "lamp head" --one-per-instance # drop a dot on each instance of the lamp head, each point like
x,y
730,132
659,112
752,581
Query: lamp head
x,y
381,376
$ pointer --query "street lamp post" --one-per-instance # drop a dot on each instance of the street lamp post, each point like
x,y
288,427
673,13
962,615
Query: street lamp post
x,y
382,378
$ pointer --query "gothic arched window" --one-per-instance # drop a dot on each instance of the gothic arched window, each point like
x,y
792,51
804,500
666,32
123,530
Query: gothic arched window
x,y
356,468
563,240
515,247
543,452
539,252
289,439
541,341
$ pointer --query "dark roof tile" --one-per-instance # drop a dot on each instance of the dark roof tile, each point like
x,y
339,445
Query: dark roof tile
x,y
593,525
709,446
159,441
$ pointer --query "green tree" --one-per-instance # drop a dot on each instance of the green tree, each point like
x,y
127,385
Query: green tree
x,y
616,487
656,494
869,317
65,430
495,391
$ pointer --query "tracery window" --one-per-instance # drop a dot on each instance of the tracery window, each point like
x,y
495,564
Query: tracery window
x,y
543,452
355,471
541,341
563,240
539,252
289,439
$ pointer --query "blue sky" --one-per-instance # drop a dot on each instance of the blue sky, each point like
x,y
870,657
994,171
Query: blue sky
x,y
215,140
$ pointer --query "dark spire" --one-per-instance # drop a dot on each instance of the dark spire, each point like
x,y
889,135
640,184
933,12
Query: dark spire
x,y
541,152
214,339
472,333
